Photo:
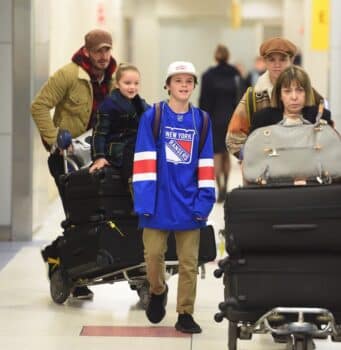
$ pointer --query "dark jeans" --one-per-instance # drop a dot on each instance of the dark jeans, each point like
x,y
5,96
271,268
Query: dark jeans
x,y
56,167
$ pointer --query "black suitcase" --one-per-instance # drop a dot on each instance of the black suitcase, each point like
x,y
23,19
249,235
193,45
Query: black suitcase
x,y
207,247
254,284
98,196
97,248
301,218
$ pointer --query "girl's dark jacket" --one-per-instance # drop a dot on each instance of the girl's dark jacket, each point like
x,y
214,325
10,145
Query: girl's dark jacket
x,y
271,115
116,126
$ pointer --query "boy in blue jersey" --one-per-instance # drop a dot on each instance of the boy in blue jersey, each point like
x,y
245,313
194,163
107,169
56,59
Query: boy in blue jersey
x,y
173,180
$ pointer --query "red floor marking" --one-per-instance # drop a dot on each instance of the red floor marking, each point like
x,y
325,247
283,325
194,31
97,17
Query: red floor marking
x,y
113,331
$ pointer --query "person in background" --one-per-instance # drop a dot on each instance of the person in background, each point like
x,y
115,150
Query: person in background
x,y
173,181
74,91
219,96
257,70
278,54
118,116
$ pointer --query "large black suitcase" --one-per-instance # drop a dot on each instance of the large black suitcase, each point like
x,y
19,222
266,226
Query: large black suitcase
x,y
284,219
255,284
97,196
97,248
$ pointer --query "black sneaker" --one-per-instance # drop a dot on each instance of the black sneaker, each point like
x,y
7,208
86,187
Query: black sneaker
x,y
82,293
156,310
186,324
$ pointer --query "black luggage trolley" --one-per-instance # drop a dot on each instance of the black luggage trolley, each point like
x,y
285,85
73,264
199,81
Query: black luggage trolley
x,y
281,275
101,242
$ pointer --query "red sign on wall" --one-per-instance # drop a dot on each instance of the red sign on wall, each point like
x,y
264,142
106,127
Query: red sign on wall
x,y
100,14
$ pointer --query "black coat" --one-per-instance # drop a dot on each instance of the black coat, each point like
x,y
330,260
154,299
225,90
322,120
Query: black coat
x,y
116,126
219,96
270,116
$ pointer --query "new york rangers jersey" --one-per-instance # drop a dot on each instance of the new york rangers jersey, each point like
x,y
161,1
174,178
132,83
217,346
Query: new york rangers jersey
x,y
173,184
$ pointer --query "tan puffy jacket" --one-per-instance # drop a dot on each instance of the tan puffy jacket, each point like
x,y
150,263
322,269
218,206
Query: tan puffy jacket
x,y
69,91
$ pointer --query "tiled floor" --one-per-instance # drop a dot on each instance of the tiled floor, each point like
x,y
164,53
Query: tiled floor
x,y
29,320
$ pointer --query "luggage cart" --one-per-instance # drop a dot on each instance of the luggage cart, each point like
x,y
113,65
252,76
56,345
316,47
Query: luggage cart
x,y
296,326
63,280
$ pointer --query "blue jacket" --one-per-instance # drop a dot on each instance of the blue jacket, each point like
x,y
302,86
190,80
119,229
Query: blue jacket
x,y
173,184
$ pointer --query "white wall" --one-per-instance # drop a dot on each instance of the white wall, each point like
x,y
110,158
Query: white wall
x,y
42,181
71,20
199,38
6,111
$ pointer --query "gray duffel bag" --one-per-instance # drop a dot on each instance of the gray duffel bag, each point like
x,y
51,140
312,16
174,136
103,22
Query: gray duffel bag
x,y
293,154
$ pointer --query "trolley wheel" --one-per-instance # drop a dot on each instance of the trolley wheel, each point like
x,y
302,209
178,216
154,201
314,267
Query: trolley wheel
x,y
143,293
303,343
232,336
60,286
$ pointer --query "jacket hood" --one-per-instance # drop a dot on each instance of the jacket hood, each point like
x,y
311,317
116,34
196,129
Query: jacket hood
x,y
122,104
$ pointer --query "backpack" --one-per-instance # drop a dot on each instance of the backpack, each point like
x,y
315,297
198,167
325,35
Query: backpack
x,y
157,119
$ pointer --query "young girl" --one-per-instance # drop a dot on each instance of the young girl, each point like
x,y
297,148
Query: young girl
x,y
118,116
173,181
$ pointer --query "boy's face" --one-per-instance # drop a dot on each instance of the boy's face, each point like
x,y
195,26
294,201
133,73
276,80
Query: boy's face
x,y
276,63
181,86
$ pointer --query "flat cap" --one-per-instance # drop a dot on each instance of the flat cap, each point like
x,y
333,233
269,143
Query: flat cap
x,y
98,38
278,45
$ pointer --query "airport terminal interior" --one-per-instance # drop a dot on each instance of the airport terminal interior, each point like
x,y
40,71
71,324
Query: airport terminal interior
x,y
39,36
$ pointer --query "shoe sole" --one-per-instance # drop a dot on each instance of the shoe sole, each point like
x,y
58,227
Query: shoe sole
x,y
187,331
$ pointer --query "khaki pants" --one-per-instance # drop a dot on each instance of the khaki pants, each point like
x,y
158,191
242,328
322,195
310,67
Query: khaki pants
x,y
187,248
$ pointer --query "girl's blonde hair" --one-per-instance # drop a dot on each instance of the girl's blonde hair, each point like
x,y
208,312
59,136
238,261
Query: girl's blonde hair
x,y
123,67
289,75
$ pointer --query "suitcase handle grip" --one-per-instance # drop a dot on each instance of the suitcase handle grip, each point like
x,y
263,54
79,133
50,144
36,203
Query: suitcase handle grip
x,y
294,227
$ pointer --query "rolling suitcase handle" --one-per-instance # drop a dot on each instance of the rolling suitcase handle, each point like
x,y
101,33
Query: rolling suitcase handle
x,y
295,227
64,140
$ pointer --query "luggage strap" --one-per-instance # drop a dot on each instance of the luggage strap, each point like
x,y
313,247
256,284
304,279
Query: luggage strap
x,y
113,226
250,102
55,262
157,121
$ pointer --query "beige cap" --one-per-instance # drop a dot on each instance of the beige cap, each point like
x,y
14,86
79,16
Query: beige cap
x,y
278,45
97,39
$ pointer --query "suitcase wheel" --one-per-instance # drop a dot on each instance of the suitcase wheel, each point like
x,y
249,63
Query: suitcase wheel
x,y
302,343
337,337
60,286
65,224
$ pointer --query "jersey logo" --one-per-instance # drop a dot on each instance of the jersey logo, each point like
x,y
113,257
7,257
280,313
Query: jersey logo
x,y
179,145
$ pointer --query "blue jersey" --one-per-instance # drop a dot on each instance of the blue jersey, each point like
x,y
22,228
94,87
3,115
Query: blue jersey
x,y
173,184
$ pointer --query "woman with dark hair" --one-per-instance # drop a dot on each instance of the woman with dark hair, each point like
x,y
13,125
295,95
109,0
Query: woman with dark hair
x,y
292,100
219,96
